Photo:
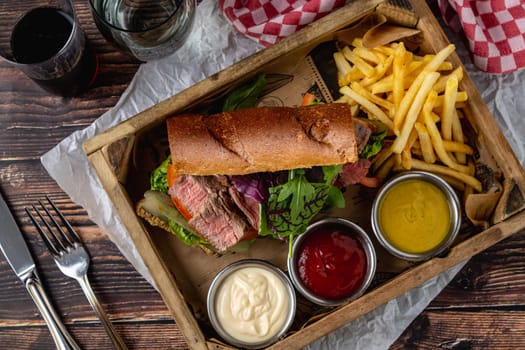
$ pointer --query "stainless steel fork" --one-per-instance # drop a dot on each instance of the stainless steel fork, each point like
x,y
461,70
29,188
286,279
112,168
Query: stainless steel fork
x,y
70,256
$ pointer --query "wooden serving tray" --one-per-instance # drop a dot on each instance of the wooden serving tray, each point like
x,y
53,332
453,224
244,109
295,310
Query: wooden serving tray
x,y
124,156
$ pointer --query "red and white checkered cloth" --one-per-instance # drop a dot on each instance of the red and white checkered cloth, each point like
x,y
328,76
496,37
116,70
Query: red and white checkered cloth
x,y
495,30
268,21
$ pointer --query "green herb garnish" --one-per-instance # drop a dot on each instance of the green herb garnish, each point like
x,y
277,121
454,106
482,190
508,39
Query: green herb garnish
x,y
292,205
246,96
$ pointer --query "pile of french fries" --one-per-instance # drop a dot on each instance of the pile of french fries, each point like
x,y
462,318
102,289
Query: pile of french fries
x,y
418,99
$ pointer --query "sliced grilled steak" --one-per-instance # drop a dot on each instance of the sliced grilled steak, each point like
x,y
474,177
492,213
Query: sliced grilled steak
x,y
353,173
362,133
213,213
248,205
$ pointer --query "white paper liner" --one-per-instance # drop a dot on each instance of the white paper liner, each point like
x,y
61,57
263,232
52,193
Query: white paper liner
x,y
212,46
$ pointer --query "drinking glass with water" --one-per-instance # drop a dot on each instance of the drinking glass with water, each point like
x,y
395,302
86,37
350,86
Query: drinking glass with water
x,y
145,29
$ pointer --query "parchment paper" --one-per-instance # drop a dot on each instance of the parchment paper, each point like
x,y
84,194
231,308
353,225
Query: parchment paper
x,y
212,46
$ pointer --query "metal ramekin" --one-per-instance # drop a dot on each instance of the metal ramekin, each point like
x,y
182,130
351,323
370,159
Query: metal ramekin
x,y
453,203
352,229
223,274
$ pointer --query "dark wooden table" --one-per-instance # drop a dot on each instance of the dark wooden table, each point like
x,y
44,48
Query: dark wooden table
x,y
482,308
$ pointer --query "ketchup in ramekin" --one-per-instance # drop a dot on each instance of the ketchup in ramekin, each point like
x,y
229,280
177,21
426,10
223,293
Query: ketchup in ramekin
x,y
333,262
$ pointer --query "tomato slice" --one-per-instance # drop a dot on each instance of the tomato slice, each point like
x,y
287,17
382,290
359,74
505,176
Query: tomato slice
x,y
171,177
308,98
181,208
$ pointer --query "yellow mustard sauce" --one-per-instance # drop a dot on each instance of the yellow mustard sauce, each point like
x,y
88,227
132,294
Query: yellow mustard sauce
x,y
252,304
414,216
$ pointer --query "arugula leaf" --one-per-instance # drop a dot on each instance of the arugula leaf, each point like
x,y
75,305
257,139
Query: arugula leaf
x,y
330,172
264,229
293,215
299,190
335,198
246,96
291,206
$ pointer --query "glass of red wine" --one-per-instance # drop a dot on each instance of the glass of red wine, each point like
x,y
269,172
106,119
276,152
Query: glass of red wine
x,y
44,40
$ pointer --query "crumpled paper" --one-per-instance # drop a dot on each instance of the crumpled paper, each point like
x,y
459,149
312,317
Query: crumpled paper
x,y
210,48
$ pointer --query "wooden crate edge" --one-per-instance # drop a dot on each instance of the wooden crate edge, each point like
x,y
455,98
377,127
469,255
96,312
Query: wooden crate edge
x,y
224,77
160,273
486,123
244,68
402,284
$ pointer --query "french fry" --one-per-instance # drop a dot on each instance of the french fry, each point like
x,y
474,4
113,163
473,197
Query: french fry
x,y
458,147
361,64
439,58
386,167
461,96
434,117
376,112
406,154
428,106
417,67
444,66
380,71
398,76
440,150
442,81
444,170
371,97
398,162
343,67
346,73
387,83
389,51
354,109
455,183
418,99
429,78
449,105
378,161
457,135
425,143
406,102
343,99
369,55
357,42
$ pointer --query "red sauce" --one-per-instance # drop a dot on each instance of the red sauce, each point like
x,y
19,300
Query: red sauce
x,y
331,263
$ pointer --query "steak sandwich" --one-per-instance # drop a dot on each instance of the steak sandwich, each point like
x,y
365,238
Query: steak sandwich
x,y
235,176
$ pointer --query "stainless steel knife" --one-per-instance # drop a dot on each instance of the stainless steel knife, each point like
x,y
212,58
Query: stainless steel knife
x,y
18,256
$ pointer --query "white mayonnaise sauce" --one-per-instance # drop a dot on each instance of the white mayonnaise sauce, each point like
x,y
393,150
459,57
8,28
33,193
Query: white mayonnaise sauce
x,y
252,304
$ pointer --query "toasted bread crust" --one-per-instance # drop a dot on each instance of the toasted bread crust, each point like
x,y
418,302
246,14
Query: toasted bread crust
x,y
262,139
158,222
150,218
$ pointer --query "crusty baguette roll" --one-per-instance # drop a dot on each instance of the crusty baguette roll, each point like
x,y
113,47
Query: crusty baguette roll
x,y
262,139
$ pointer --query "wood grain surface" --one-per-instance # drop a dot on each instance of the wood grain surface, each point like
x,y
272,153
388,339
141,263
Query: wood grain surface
x,y
482,308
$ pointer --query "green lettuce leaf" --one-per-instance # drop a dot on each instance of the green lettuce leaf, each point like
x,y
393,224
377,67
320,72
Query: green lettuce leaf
x,y
159,205
158,178
246,96
186,236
